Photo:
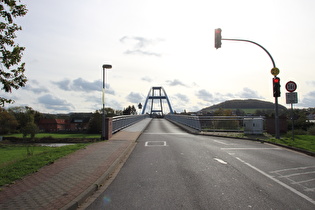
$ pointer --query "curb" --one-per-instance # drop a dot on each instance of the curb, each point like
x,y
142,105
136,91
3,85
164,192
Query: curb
x,y
78,201
74,204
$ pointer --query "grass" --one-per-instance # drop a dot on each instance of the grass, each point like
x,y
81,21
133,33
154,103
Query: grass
x,y
58,135
306,142
19,161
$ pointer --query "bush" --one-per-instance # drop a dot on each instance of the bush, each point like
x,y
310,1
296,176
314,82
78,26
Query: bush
x,y
311,130
30,129
297,132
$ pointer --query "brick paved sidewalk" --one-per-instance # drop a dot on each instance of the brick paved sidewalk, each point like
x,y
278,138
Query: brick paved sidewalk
x,y
68,181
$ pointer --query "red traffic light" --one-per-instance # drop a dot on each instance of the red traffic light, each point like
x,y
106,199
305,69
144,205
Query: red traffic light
x,y
218,31
276,80
276,86
217,38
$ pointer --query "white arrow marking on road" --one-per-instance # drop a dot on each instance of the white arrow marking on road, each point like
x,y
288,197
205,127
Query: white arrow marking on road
x,y
220,161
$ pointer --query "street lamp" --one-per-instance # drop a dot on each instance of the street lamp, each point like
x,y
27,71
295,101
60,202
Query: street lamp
x,y
105,66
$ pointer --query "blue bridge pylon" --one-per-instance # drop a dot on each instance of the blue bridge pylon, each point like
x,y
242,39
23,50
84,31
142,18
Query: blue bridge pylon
x,y
156,96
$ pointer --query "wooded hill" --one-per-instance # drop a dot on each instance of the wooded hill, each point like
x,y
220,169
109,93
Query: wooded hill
x,y
247,105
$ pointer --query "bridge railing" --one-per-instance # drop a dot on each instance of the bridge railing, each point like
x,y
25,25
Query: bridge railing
x,y
121,122
221,123
188,120
246,124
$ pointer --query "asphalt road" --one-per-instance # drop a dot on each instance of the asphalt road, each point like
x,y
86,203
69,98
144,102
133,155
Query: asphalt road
x,y
171,169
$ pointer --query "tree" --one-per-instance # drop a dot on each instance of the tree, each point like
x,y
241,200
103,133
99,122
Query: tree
x,y
30,128
8,123
95,124
25,116
130,110
11,68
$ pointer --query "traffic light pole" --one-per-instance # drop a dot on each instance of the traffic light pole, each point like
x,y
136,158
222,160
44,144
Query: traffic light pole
x,y
276,98
244,40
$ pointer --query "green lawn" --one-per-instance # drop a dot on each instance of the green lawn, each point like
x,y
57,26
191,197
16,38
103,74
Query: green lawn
x,y
306,142
19,161
58,135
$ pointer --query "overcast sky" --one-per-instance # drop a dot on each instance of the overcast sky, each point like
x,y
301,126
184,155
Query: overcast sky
x,y
168,43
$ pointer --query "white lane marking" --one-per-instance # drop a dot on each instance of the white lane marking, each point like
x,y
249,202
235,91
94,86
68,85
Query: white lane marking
x,y
279,182
220,161
165,134
304,181
220,142
292,169
296,174
155,143
244,148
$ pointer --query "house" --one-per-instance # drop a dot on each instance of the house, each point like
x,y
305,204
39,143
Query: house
x,y
53,125
79,124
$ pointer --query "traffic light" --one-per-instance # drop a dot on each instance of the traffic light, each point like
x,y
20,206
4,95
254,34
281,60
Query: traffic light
x,y
217,38
276,86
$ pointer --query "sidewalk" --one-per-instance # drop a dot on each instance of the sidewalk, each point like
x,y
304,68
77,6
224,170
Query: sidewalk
x,y
70,180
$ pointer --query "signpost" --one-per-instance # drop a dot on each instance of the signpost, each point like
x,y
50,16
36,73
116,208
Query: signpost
x,y
291,98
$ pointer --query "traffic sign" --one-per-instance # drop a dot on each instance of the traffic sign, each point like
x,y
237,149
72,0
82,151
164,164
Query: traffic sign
x,y
275,71
291,98
291,86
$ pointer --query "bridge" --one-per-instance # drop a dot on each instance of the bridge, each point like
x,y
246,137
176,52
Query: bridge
x,y
156,96
154,106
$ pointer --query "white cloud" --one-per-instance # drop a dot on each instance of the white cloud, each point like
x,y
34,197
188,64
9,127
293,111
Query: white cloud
x,y
147,79
140,45
205,95
250,94
67,45
175,82
134,97
54,103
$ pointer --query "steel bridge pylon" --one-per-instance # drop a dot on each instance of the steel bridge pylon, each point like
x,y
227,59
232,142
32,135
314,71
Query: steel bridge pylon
x,y
157,94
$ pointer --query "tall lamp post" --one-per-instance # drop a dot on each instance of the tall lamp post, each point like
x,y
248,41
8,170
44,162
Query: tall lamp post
x,y
105,66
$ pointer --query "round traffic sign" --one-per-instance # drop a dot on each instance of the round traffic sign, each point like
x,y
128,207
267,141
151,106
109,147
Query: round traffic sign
x,y
291,86
275,71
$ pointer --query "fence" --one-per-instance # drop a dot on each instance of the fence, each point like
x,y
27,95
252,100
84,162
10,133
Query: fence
x,y
221,123
188,120
213,123
121,122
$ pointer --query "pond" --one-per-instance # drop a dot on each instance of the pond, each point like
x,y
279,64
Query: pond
x,y
54,144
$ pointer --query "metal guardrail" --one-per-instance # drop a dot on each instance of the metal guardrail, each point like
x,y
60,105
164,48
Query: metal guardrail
x,y
222,123
215,123
121,122
188,120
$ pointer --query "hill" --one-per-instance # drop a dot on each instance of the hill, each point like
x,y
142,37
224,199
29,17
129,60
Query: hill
x,y
247,105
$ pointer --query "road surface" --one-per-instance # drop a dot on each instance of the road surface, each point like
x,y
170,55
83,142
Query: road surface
x,y
171,169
